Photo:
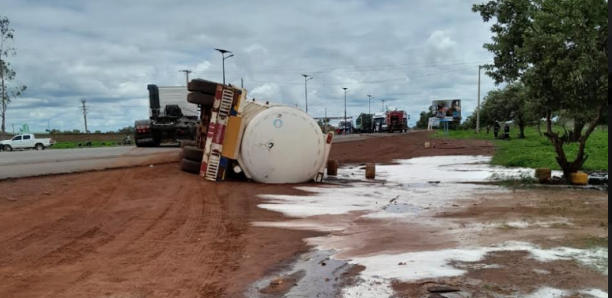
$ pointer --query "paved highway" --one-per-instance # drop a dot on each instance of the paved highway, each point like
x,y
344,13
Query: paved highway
x,y
19,164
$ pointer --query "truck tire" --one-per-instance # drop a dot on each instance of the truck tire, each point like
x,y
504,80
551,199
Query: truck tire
x,y
204,86
193,153
190,166
8,148
188,143
197,98
39,147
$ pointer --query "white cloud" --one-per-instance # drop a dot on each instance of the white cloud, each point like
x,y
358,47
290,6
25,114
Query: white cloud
x,y
407,52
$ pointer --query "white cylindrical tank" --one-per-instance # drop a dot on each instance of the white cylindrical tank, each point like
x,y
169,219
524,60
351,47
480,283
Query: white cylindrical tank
x,y
281,145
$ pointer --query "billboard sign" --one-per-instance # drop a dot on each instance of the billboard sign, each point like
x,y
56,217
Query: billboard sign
x,y
446,110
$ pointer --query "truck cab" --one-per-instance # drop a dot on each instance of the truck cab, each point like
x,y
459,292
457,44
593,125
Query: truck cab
x,y
172,119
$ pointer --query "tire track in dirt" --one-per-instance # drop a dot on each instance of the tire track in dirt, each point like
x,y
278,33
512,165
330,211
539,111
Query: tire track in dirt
x,y
70,239
39,243
230,250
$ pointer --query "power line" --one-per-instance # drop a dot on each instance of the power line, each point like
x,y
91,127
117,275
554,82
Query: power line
x,y
361,69
367,82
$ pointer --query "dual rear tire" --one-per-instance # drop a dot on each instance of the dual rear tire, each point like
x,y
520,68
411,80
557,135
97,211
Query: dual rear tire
x,y
191,161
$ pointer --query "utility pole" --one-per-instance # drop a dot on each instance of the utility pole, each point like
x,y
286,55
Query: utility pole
x,y
242,83
345,124
13,124
383,107
478,107
84,107
187,72
3,100
306,79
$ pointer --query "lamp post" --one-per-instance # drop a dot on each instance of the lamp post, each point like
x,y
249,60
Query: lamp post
x,y
345,92
370,112
306,79
223,53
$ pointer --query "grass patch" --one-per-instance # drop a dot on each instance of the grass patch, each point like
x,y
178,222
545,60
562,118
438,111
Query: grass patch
x,y
94,144
537,152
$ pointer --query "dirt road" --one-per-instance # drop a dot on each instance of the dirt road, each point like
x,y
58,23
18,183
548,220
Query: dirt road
x,y
144,232
158,232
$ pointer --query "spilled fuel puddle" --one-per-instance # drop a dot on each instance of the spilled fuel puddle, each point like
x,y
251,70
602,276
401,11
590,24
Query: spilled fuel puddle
x,y
392,228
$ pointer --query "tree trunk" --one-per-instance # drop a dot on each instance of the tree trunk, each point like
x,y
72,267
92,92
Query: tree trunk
x,y
522,124
570,168
540,128
558,144
577,133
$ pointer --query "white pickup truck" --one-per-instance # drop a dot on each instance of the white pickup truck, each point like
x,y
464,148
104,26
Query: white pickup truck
x,y
25,141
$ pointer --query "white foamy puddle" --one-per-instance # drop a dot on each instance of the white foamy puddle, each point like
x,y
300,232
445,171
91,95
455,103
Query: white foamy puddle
x,y
556,293
364,215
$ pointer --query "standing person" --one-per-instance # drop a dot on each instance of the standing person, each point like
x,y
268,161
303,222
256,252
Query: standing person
x,y
496,129
507,131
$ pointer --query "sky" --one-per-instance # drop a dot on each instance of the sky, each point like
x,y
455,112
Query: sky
x,y
406,52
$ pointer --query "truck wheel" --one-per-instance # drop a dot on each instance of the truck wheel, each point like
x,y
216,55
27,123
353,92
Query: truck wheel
x,y
197,98
204,86
190,166
39,147
188,143
193,153
8,148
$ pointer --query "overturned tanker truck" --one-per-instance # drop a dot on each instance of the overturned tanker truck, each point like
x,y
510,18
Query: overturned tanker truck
x,y
263,142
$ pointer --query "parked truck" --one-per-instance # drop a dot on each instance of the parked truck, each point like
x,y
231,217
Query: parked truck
x,y
26,141
172,119
263,142
364,124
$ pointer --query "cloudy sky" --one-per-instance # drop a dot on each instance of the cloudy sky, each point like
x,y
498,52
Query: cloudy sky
x,y
407,52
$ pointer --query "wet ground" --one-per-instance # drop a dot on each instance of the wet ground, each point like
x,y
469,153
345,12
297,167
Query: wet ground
x,y
422,224
159,232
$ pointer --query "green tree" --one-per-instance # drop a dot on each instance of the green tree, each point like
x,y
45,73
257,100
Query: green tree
x,y
423,122
129,130
557,48
7,74
510,104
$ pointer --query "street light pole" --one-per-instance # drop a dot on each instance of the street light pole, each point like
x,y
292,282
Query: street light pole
x,y
223,52
478,107
306,79
370,112
345,91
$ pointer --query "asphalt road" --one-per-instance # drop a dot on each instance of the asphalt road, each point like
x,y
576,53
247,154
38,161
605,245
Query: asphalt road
x,y
19,164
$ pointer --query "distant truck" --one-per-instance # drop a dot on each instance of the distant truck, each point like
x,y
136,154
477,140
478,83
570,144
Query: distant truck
x,y
172,119
397,121
380,122
364,124
26,141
